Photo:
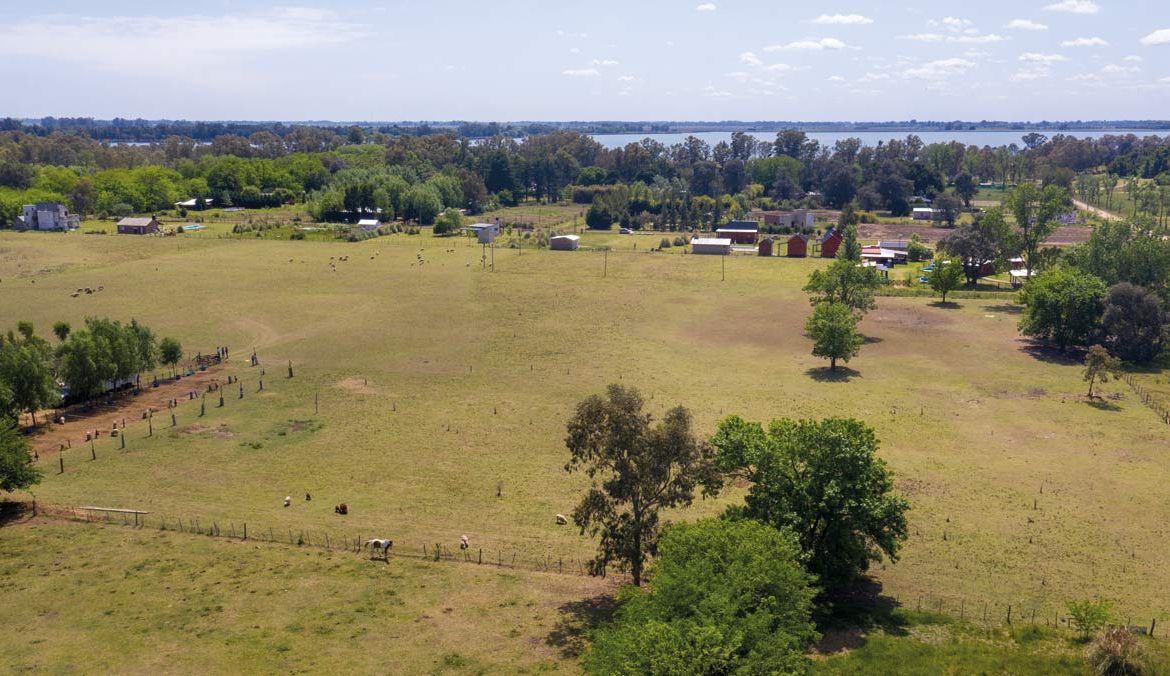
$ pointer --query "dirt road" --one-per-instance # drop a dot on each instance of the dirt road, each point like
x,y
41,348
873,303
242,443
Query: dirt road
x,y
1107,215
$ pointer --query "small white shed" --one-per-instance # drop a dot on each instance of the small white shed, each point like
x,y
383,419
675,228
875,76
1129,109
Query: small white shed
x,y
564,242
715,246
485,233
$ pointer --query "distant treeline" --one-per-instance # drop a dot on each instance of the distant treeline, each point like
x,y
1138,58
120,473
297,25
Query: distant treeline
x,y
143,131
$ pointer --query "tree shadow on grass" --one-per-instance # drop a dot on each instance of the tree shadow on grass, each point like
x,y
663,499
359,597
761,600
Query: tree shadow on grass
x,y
12,513
578,619
870,340
946,305
844,617
823,374
1046,353
1102,404
1006,308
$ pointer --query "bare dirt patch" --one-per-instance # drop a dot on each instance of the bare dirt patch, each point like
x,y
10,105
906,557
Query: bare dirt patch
x,y
909,316
1063,236
356,385
221,431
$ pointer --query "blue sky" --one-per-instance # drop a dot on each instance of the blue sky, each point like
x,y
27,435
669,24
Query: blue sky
x,y
562,60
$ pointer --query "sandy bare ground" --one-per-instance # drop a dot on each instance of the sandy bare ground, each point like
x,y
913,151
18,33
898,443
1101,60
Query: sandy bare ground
x,y
1064,236
100,415
1107,215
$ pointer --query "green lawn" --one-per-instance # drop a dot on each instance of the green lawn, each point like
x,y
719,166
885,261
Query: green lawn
x,y
439,382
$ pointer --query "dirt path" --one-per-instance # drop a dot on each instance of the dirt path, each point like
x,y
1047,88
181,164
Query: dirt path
x,y
1107,215
101,415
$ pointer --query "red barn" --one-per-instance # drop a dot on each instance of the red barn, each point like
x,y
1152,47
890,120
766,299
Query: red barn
x,y
766,247
830,243
798,246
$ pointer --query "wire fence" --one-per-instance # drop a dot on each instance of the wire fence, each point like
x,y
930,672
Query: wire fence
x,y
1148,398
431,549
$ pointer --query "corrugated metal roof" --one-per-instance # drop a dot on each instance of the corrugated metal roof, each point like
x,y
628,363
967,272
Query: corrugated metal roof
x,y
136,221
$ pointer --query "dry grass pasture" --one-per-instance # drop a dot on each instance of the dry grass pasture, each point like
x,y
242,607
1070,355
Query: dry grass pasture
x,y
439,381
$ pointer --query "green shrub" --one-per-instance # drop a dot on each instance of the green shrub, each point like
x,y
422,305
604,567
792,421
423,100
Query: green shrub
x,y
664,243
1090,616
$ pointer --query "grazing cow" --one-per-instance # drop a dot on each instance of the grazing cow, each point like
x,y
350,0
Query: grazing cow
x,y
561,520
379,544
464,543
341,509
287,500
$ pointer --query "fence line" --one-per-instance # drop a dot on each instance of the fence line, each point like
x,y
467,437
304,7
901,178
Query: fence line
x,y
429,549
1147,398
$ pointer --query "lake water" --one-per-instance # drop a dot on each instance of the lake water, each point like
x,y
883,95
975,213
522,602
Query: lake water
x,y
869,138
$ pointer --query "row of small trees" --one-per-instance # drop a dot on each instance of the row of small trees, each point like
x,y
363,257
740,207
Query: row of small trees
x,y
733,594
103,354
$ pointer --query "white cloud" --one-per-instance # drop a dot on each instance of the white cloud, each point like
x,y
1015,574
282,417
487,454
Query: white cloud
x,y
1085,42
581,72
923,37
842,19
626,78
1030,75
1025,25
706,7
608,63
809,44
778,68
976,39
1036,57
750,59
1074,7
1114,69
940,69
1134,58
951,23
1158,37
574,50
715,93
836,78
187,43
1165,80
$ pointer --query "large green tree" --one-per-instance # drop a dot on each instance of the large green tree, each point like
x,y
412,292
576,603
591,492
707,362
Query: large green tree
x,y
1036,210
724,597
26,369
845,282
980,243
637,470
823,481
16,469
1135,323
170,352
947,276
1063,306
833,330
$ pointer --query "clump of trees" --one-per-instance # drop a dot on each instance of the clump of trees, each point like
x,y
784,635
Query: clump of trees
x,y
733,594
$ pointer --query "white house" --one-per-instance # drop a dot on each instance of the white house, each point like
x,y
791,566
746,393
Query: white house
x,y
564,242
926,214
486,233
47,216
716,246
368,224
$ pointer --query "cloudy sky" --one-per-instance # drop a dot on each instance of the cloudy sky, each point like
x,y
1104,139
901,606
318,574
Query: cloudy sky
x,y
605,59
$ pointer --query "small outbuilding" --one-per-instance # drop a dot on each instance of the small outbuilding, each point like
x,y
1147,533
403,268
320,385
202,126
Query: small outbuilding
x,y
765,247
926,214
485,233
712,246
368,224
798,246
740,232
138,226
830,242
564,242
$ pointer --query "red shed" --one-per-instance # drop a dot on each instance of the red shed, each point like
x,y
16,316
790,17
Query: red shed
x,y
830,243
766,247
798,246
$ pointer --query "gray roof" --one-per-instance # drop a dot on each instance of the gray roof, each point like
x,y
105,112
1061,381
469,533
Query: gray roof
x,y
136,221
743,225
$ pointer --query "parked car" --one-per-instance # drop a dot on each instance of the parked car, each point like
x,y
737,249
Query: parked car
x,y
625,231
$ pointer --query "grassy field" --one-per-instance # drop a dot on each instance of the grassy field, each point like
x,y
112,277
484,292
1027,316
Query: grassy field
x,y
439,383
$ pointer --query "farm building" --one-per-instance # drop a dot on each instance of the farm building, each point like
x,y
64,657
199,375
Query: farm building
x,y
765,247
799,218
138,226
798,246
717,246
368,224
564,242
882,256
195,203
926,214
740,232
830,242
47,216
485,233
896,244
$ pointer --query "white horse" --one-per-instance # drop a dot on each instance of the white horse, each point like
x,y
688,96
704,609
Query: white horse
x,y
379,544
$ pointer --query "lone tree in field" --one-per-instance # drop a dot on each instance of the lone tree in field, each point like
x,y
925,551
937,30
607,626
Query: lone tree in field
x,y
637,470
1099,365
16,469
170,352
947,277
833,329
824,482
